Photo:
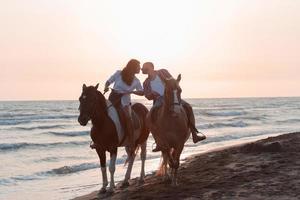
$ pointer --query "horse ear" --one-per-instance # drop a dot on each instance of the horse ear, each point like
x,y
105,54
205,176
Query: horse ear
x,y
83,87
178,78
97,86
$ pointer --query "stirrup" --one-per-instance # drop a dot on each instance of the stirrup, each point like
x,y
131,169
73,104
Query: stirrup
x,y
156,149
198,138
93,145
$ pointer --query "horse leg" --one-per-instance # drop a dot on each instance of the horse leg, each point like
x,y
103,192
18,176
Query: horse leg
x,y
174,174
112,168
176,157
102,158
129,168
143,159
165,166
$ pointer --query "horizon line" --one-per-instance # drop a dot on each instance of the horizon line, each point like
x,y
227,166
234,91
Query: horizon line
x,y
20,100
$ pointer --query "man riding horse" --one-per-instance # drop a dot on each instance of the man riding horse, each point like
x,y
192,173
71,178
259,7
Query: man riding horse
x,y
154,87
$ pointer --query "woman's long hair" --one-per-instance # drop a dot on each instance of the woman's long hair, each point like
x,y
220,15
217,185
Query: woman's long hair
x,y
128,72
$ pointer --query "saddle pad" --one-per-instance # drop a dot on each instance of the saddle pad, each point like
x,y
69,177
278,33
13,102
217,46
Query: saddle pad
x,y
113,114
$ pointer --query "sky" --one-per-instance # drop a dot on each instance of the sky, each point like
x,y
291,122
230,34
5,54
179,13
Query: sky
x,y
232,48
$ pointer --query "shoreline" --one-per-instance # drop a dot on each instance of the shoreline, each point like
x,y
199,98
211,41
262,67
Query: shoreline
x,y
265,169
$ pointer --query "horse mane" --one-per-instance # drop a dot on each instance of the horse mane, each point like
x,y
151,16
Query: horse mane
x,y
102,101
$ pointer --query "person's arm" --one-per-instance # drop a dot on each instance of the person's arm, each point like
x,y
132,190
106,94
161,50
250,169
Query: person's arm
x,y
110,80
164,74
139,88
139,92
106,86
147,90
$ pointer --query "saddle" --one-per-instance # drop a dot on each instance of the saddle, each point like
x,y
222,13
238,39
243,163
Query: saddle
x,y
134,117
115,99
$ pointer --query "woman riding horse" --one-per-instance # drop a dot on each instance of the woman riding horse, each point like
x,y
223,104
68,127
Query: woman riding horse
x,y
106,132
125,83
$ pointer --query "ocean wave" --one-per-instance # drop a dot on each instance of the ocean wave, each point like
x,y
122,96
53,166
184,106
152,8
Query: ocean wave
x,y
16,146
80,167
238,124
72,169
40,127
64,170
57,158
14,179
55,117
69,133
20,119
12,122
252,118
5,181
288,121
229,137
222,113
12,115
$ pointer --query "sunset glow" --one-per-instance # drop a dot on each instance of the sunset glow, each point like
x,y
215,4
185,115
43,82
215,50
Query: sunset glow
x,y
222,48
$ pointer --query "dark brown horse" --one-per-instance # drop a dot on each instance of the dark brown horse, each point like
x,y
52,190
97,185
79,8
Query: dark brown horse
x,y
107,134
171,129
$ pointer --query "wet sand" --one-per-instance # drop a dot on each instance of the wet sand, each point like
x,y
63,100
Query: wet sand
x,y
265,169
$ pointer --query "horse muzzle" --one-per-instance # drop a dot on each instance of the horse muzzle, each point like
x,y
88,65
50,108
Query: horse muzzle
x,y
83,120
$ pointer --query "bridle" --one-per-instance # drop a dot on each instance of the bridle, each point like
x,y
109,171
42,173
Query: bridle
x,y
173,100
92,110
178,102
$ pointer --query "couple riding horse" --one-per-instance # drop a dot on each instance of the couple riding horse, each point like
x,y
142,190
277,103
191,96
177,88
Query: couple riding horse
x,y
126,83
171,120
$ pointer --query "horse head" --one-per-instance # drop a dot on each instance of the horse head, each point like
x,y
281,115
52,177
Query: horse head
x,y
172,94
89,99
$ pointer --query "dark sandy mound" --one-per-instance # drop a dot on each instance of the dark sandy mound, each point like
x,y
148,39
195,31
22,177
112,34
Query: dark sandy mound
x,y
265,169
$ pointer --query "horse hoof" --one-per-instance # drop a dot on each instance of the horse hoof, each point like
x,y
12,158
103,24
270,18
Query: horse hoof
x,y
102,191
110,190
141,181
174,184
167,181
125,184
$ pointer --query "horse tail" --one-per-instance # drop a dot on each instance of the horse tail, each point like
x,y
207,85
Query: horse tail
x,y
163,166
142,112
136,151
193,128
168,158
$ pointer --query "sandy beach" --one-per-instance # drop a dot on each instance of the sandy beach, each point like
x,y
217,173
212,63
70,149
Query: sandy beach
x,y
265,169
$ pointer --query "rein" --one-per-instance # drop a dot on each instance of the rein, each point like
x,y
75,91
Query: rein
x,y
95,104
94,107
179,103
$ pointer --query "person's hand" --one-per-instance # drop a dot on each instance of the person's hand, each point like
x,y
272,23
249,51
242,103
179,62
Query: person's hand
x,y
155,94
125,93
106,89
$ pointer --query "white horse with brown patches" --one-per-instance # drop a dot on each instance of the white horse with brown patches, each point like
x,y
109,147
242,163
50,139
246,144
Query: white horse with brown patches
x,y
106,132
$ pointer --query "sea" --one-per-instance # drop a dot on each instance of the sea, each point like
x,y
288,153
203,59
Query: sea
x,y
45,153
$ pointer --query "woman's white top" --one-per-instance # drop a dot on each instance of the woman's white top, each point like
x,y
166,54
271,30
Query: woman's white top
x,y
121,87
157,86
